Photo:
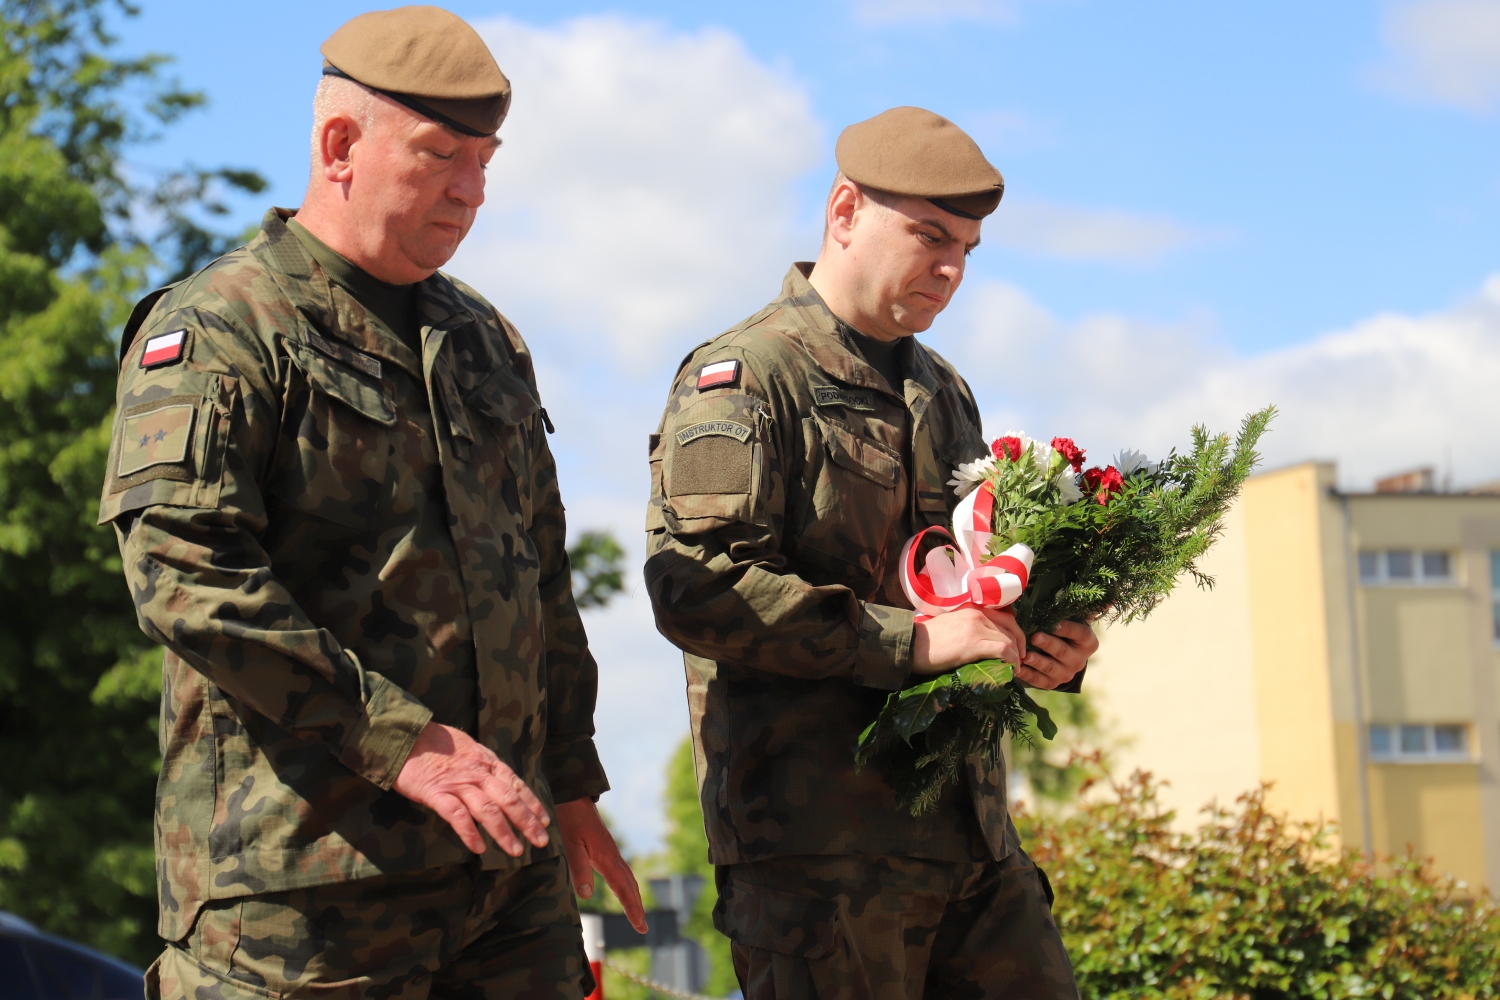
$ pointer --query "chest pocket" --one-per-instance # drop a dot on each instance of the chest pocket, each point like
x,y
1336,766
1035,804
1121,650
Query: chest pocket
x,y
335,440
853,501
499,442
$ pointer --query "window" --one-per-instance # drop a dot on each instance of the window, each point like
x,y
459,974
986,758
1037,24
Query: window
x,y
1407,567
1419,743
1495,590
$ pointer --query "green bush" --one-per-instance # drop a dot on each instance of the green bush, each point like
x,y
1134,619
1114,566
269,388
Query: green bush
x,y
1251,905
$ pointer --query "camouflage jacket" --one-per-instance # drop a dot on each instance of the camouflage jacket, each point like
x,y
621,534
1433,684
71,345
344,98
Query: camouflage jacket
x,y
337,541
785,474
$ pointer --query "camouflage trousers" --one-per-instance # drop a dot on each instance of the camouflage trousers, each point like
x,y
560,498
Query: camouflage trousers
x,y
861,927
455,932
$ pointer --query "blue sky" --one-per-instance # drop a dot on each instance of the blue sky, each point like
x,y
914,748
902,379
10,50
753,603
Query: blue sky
x,y
1209,207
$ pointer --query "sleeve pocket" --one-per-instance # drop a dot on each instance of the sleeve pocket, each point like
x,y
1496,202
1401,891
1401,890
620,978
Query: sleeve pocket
x,y
713,464
168,445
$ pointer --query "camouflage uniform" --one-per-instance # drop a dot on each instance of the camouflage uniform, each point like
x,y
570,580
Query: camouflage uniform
x,y
338,541
782,492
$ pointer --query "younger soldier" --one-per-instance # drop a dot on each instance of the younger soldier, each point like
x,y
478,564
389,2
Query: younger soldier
x,y
337,510
797,454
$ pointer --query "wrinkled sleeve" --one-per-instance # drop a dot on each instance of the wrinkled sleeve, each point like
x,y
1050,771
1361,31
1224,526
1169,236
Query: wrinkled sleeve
x,y
718,579
190,443
569,757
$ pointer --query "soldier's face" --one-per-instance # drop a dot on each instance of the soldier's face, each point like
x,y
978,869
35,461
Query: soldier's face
x,y
911,256
418,185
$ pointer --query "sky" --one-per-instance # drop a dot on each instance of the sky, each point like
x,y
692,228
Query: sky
x,y
1208,208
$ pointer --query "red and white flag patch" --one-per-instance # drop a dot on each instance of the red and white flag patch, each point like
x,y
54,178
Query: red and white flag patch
x,y
717,374
164,349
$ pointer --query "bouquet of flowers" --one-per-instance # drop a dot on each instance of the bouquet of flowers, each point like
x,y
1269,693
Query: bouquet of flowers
x,y
1038,533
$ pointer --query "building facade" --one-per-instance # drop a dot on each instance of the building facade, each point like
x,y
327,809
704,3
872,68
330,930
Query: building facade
x,y
1347,654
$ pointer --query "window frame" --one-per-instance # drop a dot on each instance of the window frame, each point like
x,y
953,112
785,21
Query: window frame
x,y
1395,733
1419,578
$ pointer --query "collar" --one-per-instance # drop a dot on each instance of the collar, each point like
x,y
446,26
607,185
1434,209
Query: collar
x,y
305,283
825,338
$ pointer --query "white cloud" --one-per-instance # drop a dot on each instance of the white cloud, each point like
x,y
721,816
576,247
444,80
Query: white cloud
x,y
881,12
1390,392
646,181
1446,51
645,199
1072,232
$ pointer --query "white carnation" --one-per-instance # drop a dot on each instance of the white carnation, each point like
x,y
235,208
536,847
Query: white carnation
x,y
1041,451
968,476
1129,461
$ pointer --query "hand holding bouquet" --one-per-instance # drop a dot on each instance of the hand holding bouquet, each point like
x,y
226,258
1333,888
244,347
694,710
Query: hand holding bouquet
x,y
1054,542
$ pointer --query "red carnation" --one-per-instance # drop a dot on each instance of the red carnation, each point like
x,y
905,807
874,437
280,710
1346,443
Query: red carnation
x,y
1007,447
1070,451
1104,482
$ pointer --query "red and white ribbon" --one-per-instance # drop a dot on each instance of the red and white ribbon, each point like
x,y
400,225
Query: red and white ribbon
x,y
951,578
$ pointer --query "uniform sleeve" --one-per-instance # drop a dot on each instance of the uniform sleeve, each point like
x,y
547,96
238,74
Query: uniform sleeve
x,y
191,440
569,757
718,579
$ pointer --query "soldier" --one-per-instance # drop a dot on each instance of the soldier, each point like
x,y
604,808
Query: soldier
x,y
797,454
336,508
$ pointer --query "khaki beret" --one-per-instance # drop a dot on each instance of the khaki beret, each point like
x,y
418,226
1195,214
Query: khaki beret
x,y
427,59
910,151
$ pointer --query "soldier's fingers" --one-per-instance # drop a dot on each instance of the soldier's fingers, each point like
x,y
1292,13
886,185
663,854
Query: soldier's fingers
x,y
580,867
451,809
1061,650
622,880
492,817
1035,678
510,794
1056,671
510,779
1005,622
1080,635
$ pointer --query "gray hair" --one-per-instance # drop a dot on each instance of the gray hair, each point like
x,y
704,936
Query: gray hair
x,y
338,96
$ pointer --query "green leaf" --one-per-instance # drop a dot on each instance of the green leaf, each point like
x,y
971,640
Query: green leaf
x,y
919,705
986,674
1044,723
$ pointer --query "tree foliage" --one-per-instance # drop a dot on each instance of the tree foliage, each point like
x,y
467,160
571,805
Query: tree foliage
x,y
1251,905
598,568
78,682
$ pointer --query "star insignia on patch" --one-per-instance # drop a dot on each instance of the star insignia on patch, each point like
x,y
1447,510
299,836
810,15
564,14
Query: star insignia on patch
x,y
164,349
717,374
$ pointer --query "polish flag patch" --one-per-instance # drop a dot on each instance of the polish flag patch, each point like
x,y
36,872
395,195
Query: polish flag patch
x,y
164,349
717,374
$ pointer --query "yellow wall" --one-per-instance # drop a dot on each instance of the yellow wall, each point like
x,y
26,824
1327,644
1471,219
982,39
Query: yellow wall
x,y
1433,810
1177,688
1290,636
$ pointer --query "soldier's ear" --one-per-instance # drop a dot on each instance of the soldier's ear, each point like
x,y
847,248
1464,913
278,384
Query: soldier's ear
x,y
336,140
843,201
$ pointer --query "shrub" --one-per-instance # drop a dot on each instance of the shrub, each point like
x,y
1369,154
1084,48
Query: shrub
x,y
1252,905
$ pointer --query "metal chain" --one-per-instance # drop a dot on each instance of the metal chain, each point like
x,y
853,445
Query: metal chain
x,y
652,984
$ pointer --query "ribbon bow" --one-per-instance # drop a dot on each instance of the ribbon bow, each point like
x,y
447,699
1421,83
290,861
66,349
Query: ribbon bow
x,y
952,578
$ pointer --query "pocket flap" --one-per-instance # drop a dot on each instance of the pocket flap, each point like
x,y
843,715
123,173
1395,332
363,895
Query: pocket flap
x,y
870,459
780,922
361,391
504,397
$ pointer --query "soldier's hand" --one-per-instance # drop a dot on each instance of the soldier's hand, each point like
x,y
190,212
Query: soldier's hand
x,y
965,636
590,847
1055,658
463,781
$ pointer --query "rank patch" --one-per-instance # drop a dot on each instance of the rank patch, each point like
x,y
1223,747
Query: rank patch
x,y
164,349
717,374
722,428
156,437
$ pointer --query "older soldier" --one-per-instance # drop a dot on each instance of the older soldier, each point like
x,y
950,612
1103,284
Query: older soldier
x,y
337,509
797,454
